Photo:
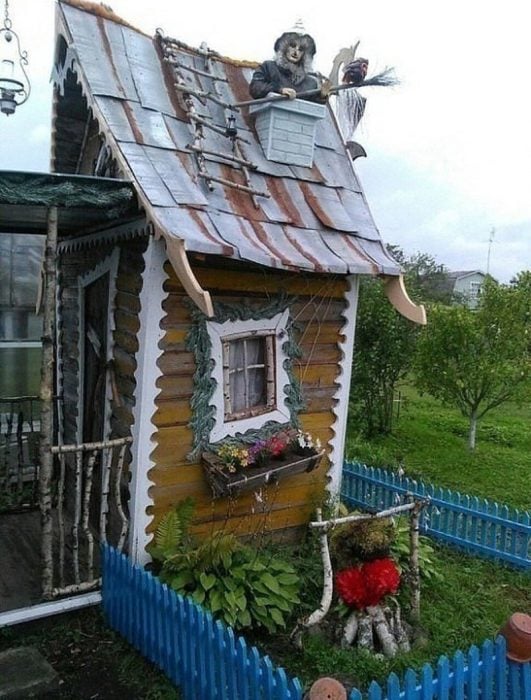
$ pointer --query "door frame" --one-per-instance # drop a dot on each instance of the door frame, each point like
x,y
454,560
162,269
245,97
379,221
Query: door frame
x,y
108,265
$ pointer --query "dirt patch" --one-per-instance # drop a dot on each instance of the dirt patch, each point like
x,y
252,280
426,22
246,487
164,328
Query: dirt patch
x,y
92,661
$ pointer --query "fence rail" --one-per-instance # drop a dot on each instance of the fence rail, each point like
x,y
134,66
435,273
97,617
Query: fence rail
x,y
476,525
200,655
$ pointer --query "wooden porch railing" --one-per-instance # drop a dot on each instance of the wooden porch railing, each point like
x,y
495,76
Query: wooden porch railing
x,y
87,492
19,452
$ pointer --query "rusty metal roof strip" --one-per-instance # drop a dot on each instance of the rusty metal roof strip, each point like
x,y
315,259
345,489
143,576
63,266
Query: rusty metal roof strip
x,y
377,251
359,213
195,228
327,207
96,63
175,177
147,72
310,244
238,232
346,247
146,175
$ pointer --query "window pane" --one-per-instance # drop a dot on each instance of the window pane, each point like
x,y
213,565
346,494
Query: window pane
x,y
247,373
255,351
237,391
236,354
257,387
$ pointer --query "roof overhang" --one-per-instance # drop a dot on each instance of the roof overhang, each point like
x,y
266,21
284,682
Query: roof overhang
x,y
83,203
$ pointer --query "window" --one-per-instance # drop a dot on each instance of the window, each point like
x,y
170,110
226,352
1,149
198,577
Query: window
x,y
248,375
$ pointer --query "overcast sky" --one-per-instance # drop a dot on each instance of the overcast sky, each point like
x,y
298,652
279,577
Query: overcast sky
x,y
449,149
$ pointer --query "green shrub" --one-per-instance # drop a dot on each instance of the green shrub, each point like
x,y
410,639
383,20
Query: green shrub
x,y
400,550
242,587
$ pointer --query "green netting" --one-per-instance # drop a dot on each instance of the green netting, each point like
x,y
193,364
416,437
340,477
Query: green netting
x,y
30,189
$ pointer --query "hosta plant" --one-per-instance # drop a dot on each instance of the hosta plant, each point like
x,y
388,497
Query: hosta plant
x,y
240,586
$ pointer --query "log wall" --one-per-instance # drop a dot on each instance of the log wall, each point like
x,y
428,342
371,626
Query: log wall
x,y
317,306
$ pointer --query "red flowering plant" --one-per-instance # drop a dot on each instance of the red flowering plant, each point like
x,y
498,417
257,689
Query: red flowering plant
x,y
366,585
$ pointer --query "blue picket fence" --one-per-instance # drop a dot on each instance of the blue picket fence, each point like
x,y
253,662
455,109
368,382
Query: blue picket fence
x,y
208,661
479,526
483,674
202,656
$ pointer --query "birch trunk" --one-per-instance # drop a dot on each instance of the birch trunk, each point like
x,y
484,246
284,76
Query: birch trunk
x,y
383,632
472,431
46,396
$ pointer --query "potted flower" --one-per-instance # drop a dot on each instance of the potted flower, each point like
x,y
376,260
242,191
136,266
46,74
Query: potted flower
x,y
233,457
304,444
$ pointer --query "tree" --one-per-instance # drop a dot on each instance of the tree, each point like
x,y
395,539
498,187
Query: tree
x,y
384,349
478,359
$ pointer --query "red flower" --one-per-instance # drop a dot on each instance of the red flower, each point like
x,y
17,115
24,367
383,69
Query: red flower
x,y
361,587
381,578
351,587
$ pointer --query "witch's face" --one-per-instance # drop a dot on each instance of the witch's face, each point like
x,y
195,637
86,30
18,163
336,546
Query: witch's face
x,y
294,52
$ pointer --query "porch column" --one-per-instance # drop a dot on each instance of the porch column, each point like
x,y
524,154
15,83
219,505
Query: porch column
x,y
146,375
46,396
340,409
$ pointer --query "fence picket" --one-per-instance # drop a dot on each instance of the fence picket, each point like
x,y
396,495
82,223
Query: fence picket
x,y
500,669
375,691
443,678
487,670
393,687
410,685
473,674
459,676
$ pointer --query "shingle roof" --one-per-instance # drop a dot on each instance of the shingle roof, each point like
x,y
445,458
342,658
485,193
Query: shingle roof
x,y
314,219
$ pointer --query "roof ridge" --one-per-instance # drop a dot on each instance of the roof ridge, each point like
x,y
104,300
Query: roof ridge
x,y
100,10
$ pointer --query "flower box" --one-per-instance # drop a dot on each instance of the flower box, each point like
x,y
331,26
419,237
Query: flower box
x,y
225,483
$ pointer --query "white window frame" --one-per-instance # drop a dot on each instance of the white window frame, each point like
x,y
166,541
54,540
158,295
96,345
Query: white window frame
x,y
220,332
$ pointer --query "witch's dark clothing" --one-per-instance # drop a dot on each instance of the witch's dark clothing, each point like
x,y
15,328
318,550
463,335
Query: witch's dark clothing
x,y
270,77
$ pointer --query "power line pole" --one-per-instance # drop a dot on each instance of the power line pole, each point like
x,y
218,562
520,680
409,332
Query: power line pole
x,y
491,239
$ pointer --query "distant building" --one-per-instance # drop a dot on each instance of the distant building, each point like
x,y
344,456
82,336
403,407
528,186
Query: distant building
x,y
465,285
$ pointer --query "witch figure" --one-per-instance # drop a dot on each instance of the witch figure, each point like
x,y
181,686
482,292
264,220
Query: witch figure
x,y
291,72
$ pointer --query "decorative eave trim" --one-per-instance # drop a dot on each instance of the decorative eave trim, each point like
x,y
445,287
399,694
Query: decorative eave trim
x,y
341,397
147,372
396,292
122,232
175,246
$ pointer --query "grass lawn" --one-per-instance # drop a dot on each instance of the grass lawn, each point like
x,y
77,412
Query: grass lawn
x,y
430,441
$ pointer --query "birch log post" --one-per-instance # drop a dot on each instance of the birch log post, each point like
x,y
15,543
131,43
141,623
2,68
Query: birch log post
x,y
328,588
414,561
46,396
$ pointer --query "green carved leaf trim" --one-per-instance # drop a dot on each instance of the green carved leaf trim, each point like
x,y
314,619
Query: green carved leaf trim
x,y
198,342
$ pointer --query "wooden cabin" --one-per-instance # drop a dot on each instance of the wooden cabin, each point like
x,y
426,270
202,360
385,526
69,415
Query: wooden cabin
x,y
226,309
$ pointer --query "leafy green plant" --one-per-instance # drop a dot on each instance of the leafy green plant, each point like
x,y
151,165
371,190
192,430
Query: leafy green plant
x,y
172,535
240,586
400,550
